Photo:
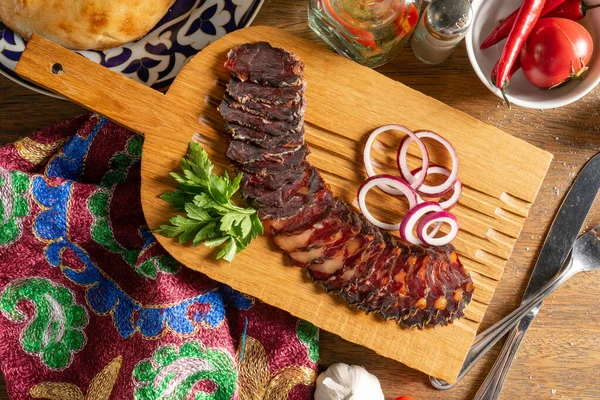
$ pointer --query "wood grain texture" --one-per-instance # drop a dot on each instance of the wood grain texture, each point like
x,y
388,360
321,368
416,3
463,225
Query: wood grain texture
x,y
492,210
560,352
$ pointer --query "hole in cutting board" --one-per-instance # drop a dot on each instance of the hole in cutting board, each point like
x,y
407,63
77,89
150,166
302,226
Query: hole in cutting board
x,y
57,69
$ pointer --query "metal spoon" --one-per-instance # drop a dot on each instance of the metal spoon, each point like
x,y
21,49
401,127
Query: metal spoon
x,y
585,256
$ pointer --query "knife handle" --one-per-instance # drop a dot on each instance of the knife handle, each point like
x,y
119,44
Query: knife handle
x,y
492,385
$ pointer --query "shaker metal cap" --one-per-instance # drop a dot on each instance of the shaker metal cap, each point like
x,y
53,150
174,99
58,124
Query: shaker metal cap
x,y
448,19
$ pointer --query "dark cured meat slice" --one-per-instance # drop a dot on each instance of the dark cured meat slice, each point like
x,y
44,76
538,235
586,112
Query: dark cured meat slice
x,y
276,164
248,91
264,64
359,284
264,140
273,181
401,296
372,289
320,205
277,197
345,257
330,240
360,264
449,276
243,152
315,235
303,198
275,128
279,112
422,292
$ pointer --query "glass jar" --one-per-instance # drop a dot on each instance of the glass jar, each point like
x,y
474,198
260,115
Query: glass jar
x,y
370,32
443,25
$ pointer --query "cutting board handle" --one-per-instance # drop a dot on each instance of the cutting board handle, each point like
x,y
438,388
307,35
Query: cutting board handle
x,y
91,85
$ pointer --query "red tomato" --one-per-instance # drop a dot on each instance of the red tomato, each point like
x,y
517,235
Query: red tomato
x,y
556,50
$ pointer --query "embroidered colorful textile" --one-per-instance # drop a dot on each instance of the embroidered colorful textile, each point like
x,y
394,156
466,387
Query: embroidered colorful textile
x,y
91,307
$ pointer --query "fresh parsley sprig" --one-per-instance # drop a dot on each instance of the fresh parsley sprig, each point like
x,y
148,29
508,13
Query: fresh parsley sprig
x,y
211,216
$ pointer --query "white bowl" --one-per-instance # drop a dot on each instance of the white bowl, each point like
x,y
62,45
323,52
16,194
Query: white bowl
x,y
486,14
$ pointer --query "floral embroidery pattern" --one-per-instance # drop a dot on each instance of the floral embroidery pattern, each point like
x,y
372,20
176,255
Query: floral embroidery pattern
x,y
68,164
55,331
105,297
100,387
255,379
308,334
238,299
102,233
173,373
123,160
34,151
13,205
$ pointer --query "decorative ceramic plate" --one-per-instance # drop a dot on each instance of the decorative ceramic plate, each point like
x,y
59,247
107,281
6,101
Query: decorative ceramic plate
x,y
155,59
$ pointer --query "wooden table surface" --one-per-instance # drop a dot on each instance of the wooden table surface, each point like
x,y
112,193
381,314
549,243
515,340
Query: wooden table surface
x,y
560,356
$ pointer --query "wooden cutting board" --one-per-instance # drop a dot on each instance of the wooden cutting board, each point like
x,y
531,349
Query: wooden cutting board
x,y
501,175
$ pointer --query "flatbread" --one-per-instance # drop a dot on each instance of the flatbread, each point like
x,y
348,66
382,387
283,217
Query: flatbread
x,y
84,24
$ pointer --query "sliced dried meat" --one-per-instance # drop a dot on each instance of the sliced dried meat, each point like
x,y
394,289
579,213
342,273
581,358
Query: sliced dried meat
x,y
262,63
325,243
261,124
361,282
344,253
248,91
303,198
314,235
279,112
321,204
277,197
272,181
243,152
344,258
360,264
263,139
277,163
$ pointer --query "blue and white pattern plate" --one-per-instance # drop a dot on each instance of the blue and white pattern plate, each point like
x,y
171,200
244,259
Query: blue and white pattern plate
x,y
154,60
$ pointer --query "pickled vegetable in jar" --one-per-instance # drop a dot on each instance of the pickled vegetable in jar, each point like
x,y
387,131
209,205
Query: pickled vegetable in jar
x,y
370,32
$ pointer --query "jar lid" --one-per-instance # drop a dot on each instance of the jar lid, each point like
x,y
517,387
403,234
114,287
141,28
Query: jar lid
x,y
448,19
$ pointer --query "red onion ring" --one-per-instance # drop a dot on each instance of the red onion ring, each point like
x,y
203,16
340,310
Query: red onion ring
x,y
447,204
413,181
412,217
388,181
432,191
439,218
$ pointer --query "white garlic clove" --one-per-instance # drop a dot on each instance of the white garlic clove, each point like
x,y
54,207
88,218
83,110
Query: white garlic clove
x,y
347,382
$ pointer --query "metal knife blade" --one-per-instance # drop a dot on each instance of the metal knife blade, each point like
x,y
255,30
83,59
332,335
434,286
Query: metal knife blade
x,y
564,231
566,226
562,234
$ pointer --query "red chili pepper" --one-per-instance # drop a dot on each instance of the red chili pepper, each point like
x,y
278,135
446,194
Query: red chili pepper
x,y
516,66
503,29
362,36
404,398
571,9
407,19
528,16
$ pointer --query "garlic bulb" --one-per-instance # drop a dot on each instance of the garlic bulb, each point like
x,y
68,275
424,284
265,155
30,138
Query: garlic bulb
x,y
347,382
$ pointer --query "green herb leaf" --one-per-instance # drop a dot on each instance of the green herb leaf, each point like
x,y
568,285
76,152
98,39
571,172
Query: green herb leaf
x,y
177,198
211,216
205,233
196,212
229,251
216,241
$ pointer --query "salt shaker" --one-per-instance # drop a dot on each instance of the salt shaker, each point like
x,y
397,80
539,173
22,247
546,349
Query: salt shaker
x,y
443,25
